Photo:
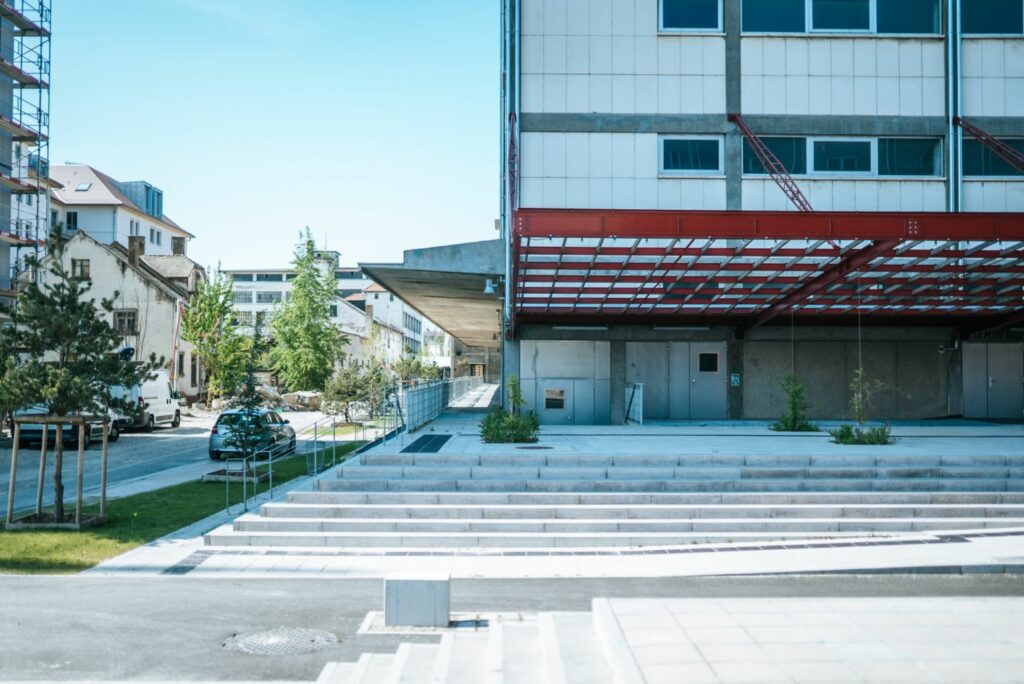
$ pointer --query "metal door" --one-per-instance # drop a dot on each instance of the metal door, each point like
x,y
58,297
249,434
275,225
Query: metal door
x,y
647,362
1005,381
707,380
975,382
678,380
555,402
583,401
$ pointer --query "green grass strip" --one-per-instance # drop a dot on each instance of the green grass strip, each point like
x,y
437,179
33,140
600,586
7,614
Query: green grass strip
x,y
131,522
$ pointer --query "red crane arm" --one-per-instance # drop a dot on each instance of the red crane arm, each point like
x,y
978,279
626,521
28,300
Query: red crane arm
x,y
1011,156
772,165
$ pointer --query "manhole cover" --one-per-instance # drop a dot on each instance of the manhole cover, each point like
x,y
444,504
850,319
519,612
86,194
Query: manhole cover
x,y
534,447
281,641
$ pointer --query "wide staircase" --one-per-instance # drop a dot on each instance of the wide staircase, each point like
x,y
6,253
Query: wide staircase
x,y
566,647
538,500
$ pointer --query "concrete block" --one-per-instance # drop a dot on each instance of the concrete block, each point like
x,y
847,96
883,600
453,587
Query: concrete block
x,y
422,600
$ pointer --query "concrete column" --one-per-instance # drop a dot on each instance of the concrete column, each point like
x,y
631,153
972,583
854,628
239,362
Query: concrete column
x,y
509,366
617,374
733,105
734,395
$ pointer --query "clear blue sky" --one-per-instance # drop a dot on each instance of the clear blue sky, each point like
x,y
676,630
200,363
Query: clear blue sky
x,y
374,122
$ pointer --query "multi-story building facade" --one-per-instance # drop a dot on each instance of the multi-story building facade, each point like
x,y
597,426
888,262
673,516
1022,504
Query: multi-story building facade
x,y
652,240
113,211
378,324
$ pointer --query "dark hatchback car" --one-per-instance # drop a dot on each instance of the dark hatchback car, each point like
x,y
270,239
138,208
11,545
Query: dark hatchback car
x,y
277,437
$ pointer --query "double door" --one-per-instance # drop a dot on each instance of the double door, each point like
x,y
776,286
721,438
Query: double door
x,y
682,380
993,380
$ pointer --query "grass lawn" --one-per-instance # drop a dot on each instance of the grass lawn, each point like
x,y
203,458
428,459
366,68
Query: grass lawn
x,y
131,522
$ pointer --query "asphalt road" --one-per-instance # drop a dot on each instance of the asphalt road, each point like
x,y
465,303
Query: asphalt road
x,y
79,628
135,455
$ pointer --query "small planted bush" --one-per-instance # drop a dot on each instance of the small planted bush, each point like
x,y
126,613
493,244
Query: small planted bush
x,y
795,417
512,426
848,434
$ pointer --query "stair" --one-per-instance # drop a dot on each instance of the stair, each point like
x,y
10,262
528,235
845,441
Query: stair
x,y
590,501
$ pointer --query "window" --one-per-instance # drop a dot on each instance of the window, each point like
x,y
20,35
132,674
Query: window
x,y
774,16
291,276
979,160
193,372
241,277
690,15
83,187
334,310
72,220
261,317
842,156
554,399
992,16
792,152
152,236
268,297
181,365
28,200
909,157
841,15
244,319
909,16
691,155
126,322
243,297
707,362
269,277
80,269
159,237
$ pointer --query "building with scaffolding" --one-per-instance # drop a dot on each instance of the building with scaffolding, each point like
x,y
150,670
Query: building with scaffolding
x,y
24,133
704,196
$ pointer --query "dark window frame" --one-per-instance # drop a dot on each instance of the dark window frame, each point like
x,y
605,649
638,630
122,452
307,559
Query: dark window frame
x,y
717,28
554,399
81,268
121,316
663,155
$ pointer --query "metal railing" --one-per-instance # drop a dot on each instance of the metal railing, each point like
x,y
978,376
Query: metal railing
x,y
253,468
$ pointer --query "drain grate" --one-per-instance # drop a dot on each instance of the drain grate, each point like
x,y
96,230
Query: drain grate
x,y
534,448
281,641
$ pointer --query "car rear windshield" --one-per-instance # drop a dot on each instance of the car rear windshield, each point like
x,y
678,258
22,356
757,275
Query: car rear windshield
x,y
235,419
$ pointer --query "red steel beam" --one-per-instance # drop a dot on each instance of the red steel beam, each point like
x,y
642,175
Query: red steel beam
x,y
836,272
771,225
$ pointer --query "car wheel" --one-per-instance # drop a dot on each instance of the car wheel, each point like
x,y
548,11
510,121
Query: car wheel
x,y
150,423
113,434
214,456
177,419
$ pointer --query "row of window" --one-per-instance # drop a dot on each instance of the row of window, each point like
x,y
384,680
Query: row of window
x,y
704,155
979,17
282,277
412,323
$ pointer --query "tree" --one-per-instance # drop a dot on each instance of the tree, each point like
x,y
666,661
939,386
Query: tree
x,y
250,432
306,346
209,326
67,356
347,388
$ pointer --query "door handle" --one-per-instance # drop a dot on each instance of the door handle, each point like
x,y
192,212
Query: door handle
x,y
990,383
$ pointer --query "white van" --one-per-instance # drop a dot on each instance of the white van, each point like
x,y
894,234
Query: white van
x,y
156,403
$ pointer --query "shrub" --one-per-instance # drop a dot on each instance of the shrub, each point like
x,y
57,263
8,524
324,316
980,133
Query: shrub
x,y
795,418
848,434
499,427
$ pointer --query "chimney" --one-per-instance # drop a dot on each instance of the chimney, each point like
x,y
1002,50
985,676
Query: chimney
x,y
178,246
136,248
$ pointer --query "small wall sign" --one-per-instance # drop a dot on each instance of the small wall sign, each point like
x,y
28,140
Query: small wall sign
x,y
734,380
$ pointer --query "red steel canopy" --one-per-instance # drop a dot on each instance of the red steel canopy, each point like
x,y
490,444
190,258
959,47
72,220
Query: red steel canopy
x,y
745,268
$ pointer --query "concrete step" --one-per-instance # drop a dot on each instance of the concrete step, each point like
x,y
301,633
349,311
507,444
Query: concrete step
x,y
413,664
925,484
627,511
336,673
371,668
596,526
505,473
459,540
653,498
463,658
519,653
571,650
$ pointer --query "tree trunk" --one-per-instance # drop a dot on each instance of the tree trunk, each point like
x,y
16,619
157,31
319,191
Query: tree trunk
x,y
58,475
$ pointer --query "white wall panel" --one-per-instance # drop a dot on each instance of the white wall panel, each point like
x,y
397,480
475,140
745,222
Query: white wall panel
x,y
993,77
848,195
994,195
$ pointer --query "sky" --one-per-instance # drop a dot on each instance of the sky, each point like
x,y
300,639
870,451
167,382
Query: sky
x,y
373,122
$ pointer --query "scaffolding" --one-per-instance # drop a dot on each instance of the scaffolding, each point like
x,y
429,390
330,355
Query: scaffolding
x,y
27,120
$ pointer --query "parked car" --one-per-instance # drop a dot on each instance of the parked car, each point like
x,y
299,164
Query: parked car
x,y
275,433
155,401
32,433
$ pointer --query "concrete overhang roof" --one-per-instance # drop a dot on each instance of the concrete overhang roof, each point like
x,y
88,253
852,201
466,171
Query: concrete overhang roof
x,y
446,284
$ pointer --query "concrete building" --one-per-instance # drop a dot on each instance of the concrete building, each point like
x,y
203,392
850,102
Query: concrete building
x,y
378,324
112,211
703,196
149,292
